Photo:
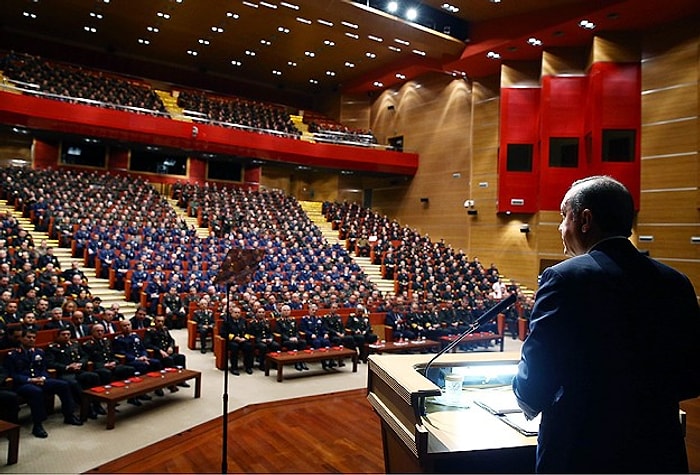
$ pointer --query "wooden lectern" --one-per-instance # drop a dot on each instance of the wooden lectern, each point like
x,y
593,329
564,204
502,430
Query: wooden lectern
x,y
421,433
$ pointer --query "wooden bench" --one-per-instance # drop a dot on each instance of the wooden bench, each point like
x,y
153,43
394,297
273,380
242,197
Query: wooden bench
x,y
399,347
118,391
280,359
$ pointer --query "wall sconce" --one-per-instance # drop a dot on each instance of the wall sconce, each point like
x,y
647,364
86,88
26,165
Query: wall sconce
x,y
525,228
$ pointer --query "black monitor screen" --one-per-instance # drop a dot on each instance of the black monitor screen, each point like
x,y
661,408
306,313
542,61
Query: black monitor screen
x,y
158,161
224,169
83,153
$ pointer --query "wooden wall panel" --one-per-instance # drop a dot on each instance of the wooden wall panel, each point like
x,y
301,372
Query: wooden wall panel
x,y
668,207
670,137
564,61
616,47
670,241
670,63
667,104
670,172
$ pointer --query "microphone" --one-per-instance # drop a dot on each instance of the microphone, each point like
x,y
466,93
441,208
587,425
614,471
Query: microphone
x,y
485,318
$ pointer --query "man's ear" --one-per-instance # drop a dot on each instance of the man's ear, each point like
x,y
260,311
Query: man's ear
x,y
586,219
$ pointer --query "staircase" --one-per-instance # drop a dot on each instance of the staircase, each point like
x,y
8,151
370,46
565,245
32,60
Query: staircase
x,y
372,271
98,287
191,221
298,121
171,106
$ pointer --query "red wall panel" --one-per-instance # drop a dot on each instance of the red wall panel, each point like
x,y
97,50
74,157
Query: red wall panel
x,y
519,125
45,154
563,111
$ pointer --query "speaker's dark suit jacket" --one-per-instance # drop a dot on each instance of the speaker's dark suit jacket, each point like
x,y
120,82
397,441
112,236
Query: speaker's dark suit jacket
x,y
614,345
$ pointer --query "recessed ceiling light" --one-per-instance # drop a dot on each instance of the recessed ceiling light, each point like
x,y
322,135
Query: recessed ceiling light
x,y
250,4
269,5
250,52
352,35
325,22
329,43
217,29
419,52
283,29
291,6
313,81
330,73
310,54
411,14
192,52
303,20
394,48
534,41
90,29
165,16
370,55
349,25
203,41
144,41
276,72
375,38
392,7
153,29
236,63
292,64
493,55
235,16
378,84
29,15
97,16
349,64
265,42
586,25
400,76
402,42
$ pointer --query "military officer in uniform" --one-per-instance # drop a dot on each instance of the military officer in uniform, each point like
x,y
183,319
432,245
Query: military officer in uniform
x,y
204,318
286,327
259,328
312,326
359,327
333,324
68,358
159,339
99,351
129,344
233,330
26,366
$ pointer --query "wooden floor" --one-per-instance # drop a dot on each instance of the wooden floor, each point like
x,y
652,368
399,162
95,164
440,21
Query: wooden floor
x,y
332,433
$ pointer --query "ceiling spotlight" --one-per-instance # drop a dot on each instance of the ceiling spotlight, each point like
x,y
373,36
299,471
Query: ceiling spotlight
x,y
392,7
534,42
411,14
586,25
493,55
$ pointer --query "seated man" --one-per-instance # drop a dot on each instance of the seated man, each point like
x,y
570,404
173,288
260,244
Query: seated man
x,y
286,327
79,328
259,328
141,319
56,322
174,309
129,344
159,339
105,364
204,318
9,401
359,327
69,360
27,367
233,330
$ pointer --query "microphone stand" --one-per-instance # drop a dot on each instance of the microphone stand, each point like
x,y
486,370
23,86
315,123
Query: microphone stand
x,y
224,413
485,318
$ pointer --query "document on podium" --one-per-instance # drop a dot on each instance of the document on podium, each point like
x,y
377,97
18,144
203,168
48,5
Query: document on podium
x,y
502,403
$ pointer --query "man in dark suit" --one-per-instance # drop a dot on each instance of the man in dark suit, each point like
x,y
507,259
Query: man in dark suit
x,y
27,367
598,365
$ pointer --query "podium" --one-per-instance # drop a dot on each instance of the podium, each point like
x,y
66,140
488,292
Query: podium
x,y
422,433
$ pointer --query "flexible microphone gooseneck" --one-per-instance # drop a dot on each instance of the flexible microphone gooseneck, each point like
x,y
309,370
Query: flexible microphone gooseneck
x,y
485,318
